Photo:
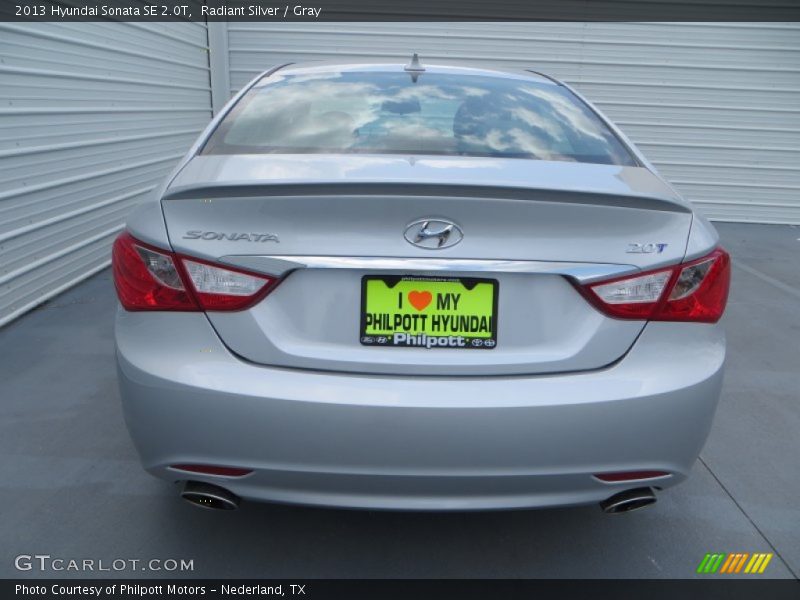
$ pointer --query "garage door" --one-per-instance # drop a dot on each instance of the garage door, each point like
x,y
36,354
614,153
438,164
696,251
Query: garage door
x,y
715,106
92,116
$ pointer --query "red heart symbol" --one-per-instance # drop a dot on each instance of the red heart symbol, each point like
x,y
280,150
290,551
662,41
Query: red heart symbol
x,y
419,300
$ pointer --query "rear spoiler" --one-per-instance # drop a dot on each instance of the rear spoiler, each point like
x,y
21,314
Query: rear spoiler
x,y
250,189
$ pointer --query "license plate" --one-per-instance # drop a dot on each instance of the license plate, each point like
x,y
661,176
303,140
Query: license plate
x,y
429,312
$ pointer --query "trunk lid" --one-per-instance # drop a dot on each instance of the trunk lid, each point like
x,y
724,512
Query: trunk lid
x,y
325,222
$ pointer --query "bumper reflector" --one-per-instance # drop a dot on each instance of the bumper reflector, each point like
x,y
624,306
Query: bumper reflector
x,y
213,470
630,475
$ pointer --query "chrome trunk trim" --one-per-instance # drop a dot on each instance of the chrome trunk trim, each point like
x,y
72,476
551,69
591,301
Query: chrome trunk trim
x,y
279,265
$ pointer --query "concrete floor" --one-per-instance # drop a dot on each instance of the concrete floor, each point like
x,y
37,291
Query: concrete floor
x,y
71,485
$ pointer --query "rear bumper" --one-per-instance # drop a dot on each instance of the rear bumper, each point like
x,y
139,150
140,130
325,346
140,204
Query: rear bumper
x,y
415,443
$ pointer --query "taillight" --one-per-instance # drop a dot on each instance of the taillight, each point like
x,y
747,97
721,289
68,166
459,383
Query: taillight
x,y
146,278
222,288
693,291
149,278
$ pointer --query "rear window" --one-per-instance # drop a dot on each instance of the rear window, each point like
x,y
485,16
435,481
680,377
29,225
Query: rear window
x,y
439,114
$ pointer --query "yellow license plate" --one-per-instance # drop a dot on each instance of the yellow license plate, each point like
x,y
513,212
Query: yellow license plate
x,y
429,312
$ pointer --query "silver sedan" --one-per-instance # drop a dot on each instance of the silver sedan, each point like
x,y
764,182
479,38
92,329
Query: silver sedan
x,y
418,287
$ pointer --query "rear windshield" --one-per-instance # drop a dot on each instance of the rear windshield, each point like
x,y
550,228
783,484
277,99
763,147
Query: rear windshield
x,y
440,114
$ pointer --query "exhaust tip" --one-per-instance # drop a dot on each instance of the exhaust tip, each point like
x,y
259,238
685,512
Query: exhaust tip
x,y
209,496
628,500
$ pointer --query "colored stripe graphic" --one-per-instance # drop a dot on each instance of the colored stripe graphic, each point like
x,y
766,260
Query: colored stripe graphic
x,y
760,563
710,563
757,558
734,562
701,568
764,564
740,564
728,564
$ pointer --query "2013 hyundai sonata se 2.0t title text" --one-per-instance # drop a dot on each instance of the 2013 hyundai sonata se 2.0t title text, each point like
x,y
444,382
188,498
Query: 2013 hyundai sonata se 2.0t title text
x,y
418,287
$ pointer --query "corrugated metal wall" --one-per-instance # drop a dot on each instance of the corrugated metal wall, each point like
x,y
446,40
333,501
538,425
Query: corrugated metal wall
x,y
715,106
92,117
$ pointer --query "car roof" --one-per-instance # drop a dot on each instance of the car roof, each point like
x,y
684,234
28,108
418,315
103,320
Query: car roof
x,y
311,67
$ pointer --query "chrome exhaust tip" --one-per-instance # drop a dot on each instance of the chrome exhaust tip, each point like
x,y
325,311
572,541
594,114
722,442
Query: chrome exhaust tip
x,y
207,495
628,500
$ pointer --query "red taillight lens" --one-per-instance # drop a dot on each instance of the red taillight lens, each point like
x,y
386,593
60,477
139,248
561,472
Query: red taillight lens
x,y
693,291
700,292
146,278
149,278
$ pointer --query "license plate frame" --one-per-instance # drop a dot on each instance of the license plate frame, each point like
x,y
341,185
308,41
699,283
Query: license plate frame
x,y
380,328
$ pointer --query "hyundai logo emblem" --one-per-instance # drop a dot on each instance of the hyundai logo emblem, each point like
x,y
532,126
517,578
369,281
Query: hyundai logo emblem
x,y
433,234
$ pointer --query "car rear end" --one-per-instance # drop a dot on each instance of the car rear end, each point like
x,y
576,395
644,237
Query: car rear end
x,y
393,306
